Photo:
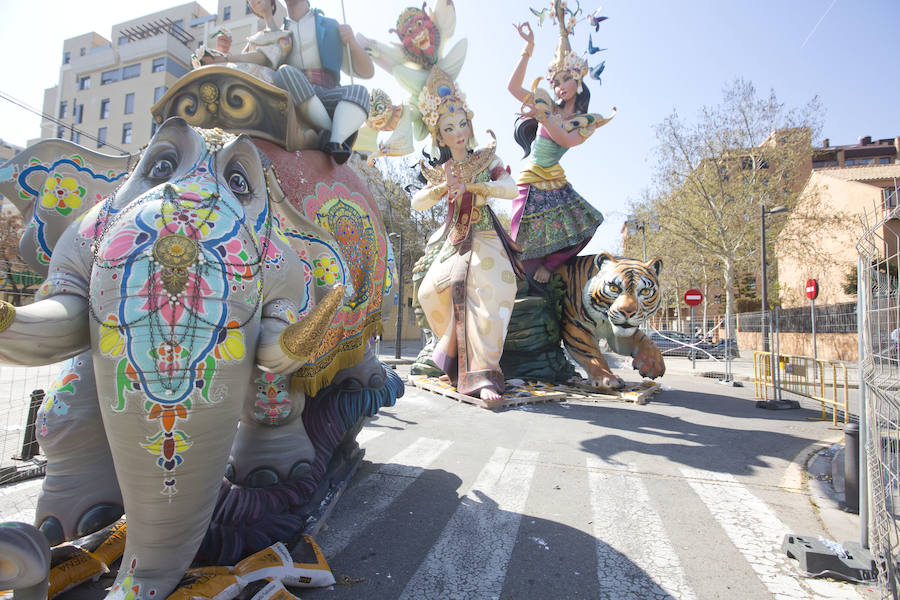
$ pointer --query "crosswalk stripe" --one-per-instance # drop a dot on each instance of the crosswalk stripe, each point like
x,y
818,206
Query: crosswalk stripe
x,y
631,565
757,532
367,434
379,490
471,556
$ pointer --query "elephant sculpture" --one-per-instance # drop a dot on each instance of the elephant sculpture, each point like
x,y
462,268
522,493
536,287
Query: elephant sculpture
x,y
215,305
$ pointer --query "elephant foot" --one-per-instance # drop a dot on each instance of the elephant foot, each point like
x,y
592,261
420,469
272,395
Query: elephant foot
x,y
53,531
24,561
94,519
263,456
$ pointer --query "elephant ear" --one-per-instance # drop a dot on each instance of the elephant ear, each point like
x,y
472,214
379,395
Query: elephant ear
x,y
54,182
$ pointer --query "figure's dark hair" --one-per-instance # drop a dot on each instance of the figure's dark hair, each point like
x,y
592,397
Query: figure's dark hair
x,y
525,130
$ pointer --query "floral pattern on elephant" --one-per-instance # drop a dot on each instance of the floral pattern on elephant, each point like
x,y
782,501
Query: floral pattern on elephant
x,y
339,211
62,191
53,404
272,405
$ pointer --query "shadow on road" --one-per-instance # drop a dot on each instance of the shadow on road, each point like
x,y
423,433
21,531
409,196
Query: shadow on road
x,y
548,559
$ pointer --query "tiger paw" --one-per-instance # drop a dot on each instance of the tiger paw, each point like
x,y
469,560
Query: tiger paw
x,y
648,360
607,380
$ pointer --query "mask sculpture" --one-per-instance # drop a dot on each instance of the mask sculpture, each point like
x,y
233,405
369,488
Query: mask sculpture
x,y
215,325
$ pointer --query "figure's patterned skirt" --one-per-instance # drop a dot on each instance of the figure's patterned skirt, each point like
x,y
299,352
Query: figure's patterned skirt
x,y
555,219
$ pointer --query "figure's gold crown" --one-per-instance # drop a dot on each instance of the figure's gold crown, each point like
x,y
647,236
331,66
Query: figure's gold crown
x,y
440,97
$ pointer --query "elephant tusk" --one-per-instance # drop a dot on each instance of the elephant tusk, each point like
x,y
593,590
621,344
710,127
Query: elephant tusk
x,y
300,341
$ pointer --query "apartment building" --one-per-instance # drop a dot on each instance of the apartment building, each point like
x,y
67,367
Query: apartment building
x,y
107,86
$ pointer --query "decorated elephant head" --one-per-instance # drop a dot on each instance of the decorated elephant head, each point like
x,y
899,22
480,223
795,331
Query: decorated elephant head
x,y
184,288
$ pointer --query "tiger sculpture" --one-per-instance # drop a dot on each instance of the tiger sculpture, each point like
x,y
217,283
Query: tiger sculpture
x,y
608,298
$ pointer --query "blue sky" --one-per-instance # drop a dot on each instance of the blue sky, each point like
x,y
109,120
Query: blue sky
x,y
662,56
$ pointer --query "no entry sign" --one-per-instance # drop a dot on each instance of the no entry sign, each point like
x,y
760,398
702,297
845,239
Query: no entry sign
x,y
812,289
693,297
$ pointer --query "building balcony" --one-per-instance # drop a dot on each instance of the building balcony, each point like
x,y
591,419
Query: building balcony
x,y
97,58
154,46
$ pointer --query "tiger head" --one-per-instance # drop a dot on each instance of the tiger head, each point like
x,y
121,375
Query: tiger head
x,y
624,292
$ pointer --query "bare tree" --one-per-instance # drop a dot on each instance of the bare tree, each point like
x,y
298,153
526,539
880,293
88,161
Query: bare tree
x,y
715,175
17,280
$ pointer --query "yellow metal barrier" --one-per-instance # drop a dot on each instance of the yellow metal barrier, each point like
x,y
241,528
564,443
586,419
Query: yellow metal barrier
x,y
822,380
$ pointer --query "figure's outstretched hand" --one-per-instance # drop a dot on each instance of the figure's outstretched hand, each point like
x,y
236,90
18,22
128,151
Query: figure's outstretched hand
x,y
456,190
525,31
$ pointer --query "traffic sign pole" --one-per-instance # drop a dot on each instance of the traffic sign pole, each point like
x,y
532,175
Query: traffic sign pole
x,y
693,350
812,307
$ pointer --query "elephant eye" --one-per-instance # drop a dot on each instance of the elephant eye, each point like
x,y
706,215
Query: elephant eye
x,y
238,183
163,168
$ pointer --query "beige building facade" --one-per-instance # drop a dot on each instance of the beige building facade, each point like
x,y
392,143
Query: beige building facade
x,y
106,86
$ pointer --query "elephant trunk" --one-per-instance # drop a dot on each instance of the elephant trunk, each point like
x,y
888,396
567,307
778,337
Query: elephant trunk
x,y
45,332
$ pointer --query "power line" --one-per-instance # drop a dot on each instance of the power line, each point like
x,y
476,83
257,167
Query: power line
x,y
52,119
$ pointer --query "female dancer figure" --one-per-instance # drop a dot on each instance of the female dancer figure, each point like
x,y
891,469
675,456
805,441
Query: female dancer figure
x,y
467,293
551,221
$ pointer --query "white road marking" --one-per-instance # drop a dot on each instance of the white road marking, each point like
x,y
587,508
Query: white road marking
x,y
470,558
375,493
635,558
366,435
758,533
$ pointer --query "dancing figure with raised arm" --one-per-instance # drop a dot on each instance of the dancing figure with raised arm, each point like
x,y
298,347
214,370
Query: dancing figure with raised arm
x,y
551,221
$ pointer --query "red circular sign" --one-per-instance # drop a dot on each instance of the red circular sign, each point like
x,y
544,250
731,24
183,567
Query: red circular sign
x,y
812,289
693,297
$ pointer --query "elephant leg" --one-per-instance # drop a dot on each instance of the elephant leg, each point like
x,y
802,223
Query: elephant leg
x,y
168,510
80,493
271,445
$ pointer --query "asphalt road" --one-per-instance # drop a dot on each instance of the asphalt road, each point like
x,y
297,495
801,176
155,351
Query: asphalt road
x,y
687,497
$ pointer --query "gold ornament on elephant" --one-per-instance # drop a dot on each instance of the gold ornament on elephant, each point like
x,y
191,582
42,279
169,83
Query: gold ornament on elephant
x,y
7,315
175,252
300,341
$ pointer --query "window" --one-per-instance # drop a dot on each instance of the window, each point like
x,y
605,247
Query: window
x,y
76,136
67,56
247,10
890,197
63,109
104,108
226,13
84,83
126,133
123,39
109,76
131,71
83,51
159,92
77,112
849,162
61,131
129,103
101,137
159,64
884,160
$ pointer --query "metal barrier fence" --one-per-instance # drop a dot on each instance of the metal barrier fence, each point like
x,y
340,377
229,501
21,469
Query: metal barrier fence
x,y
879,342
823,380
21,393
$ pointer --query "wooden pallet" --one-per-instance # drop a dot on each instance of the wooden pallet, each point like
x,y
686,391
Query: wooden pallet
x,y
529,393
639,393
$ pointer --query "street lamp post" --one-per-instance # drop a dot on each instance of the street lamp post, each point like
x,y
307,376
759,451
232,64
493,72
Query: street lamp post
x,y
398,258
777,402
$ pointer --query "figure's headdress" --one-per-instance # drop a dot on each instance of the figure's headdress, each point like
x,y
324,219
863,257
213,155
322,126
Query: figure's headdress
x,y
379,106
440,97
565,60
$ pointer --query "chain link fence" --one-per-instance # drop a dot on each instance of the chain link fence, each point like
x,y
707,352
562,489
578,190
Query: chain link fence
x,y
879,343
